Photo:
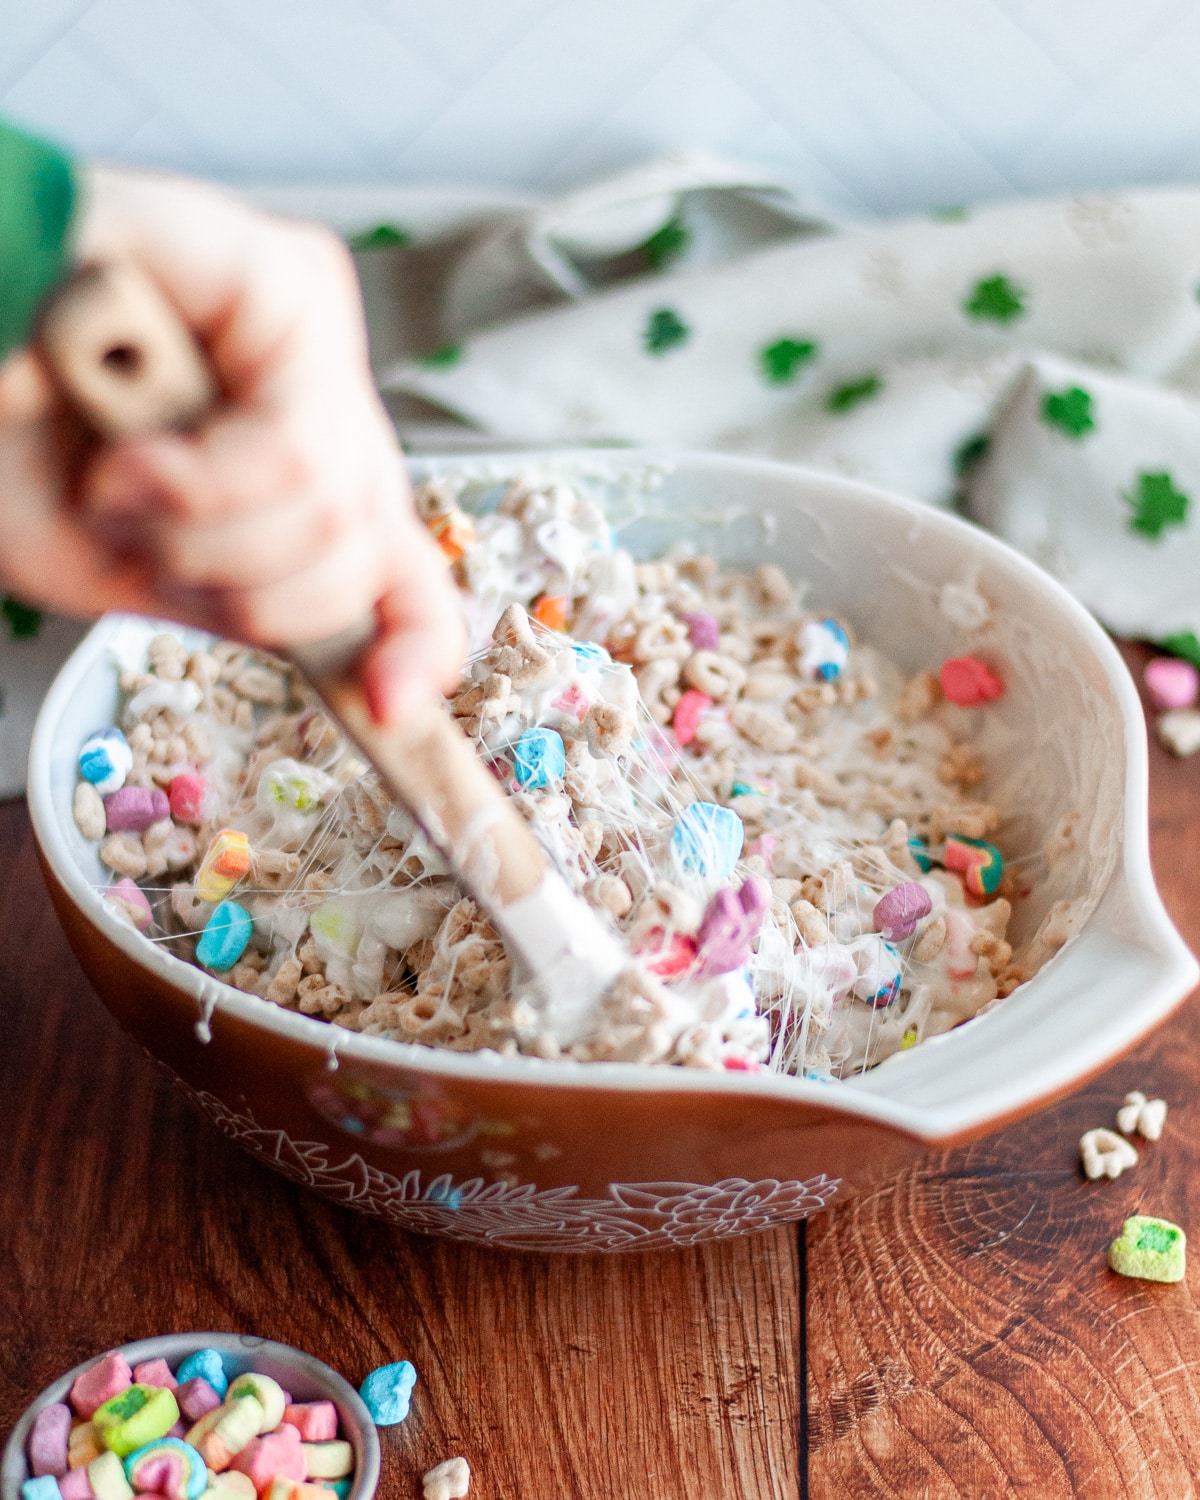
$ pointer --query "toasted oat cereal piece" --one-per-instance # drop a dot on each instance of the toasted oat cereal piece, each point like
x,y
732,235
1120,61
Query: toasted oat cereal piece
x,y
88,808
1105,1154
123,852
1146,1116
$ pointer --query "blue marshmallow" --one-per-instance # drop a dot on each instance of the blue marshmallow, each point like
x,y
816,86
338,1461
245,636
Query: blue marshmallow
x,y
208,1364
387,1393
224,939
44,1487
590,656
826,649
707,839
540,757
105,760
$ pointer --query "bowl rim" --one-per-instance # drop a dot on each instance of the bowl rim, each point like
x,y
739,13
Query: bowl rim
x,y
971,1113
362,1433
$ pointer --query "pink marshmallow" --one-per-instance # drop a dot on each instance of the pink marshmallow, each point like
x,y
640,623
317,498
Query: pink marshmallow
x,y
108,1377
1171,682
130,898
47,1448
274,1455
75,1485
190,797
316,1421
196,1398
178,1430
704,632
155,1372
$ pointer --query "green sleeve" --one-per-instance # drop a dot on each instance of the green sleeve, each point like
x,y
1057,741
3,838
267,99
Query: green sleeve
x,y
37,195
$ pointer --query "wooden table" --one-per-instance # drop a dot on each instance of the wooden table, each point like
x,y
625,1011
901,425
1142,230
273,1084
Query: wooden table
x,y
960,1331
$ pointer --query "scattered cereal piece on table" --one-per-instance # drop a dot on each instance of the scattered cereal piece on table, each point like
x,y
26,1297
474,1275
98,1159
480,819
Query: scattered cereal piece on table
x,y
1149,1249
387,1392
449,1480
1105,1154
1171,682
1179,731
1146,1116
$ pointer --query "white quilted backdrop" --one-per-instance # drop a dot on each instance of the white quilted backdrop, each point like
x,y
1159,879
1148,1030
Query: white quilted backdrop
x,y
878,105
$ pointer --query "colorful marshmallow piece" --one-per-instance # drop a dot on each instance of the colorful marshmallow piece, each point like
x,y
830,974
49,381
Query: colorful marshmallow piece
x,y
898,911
589,656
43,1487
688,713
132,809
824,649
316,1421
329,1460
922,854
290,1489
879,973
278,1454
980,864
226,860
969,682
539,758
387,1392
224,1433
168,1467
75,1484
196,1398
83,1445
208,1364
108,1377
340,1487
1171,682
269,1394
229,1484
48,1441
132,903
704,632
190,797
155,1372
550,610
291,784
140,1415
105,760
453,531
707,840
1149,1249
730,925
225,936
106,1478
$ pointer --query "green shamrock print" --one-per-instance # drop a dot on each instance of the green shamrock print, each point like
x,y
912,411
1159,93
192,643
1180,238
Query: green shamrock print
x,y
24,621
950,213
995,300
1070,411
782,360
1156,504
668,243
969,452
853,393
444,357
382,237
665,330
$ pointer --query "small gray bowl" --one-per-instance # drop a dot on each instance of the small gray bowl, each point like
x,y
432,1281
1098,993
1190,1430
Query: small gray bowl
x,y
306,1377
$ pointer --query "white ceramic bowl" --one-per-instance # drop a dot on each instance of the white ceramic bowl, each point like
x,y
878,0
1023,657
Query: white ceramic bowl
x,y
615,1156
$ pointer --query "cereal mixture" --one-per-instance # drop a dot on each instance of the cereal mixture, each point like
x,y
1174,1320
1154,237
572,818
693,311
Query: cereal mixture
x,y
783,829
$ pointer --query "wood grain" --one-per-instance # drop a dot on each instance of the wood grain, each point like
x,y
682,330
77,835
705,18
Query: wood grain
x,y
964,1335
122,1214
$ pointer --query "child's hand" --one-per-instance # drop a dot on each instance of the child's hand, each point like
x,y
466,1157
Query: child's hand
x,y
286,517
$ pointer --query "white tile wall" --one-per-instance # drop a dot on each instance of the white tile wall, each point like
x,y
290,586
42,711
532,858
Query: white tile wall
x,y
881,105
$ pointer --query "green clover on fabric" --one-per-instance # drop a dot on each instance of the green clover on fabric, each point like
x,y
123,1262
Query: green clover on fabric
x,y
950,213
445,357
668,243
1070,411
665,330
1156,504
781,361
995,300
853,393
382,237
24,621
